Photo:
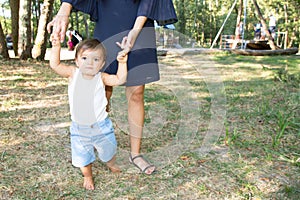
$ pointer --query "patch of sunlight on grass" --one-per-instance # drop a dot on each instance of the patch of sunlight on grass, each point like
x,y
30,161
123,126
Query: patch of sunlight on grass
x,y
49,127
6,105
36,104
248,94
10,142
12,78
21,71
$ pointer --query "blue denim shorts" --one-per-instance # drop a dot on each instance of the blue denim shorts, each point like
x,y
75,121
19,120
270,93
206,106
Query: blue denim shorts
x,y
85,139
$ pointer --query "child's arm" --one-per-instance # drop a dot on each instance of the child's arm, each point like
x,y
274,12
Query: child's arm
x,y
60,69
121,76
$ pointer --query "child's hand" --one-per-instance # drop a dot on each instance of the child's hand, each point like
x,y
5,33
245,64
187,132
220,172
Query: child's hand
x,y
122,57
54,40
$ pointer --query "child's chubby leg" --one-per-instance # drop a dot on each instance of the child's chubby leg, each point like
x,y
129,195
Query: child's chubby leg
x,y
88,182
112,165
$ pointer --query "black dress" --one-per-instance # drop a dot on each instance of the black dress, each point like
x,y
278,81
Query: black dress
x,y
115,18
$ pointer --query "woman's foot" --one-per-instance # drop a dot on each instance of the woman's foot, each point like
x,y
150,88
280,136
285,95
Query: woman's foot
x,y
88,183
141,163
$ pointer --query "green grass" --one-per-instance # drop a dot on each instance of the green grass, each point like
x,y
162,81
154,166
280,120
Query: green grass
x,y
257,155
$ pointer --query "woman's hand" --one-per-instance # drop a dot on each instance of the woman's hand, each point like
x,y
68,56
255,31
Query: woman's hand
x,y
122,55
60,22
129,41
123,43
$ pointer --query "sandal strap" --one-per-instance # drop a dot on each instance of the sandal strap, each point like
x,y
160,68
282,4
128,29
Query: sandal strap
x,y
138,156
145,160
148,168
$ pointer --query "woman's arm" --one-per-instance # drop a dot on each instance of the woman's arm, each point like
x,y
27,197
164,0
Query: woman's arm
x,y
60,69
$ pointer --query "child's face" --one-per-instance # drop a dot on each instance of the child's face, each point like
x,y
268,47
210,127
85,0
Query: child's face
x,y
90,61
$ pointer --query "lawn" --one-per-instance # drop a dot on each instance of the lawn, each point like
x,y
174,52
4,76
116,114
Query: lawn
x,y
217,126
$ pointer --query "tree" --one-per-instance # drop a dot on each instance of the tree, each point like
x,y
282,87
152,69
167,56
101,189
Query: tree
x,y
4,6
238,18
293,22
199,20
24,44
36,13
14,8
180,4
286,22
4,51
40,45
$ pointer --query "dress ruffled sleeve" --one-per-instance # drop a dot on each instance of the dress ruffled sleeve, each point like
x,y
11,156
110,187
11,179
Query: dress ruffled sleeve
x,y
87,6
162,11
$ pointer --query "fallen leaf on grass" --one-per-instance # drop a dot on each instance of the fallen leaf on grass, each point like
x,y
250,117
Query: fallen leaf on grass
x,y
201,161
184,157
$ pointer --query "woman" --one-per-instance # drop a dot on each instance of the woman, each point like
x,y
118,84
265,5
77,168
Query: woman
x,y
134,19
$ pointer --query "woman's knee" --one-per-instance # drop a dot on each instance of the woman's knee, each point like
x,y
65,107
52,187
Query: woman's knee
x,y
135,94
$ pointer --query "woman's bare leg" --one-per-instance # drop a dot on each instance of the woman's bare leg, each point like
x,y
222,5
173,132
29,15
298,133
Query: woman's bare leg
x,y
88,182
135,98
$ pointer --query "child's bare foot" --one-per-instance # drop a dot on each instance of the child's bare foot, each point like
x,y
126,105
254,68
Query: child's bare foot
x,y
88,183
112,165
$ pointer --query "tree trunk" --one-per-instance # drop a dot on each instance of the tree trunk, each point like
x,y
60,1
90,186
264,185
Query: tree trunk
x,y
35,18
3,47
40,44
286,25
264,24
14,8
238,19
181,16
24,45
202,28
210,23
251,52
4,17
295,31
181,24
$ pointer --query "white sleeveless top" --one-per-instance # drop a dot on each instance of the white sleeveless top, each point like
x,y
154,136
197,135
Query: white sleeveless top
x,y
87,99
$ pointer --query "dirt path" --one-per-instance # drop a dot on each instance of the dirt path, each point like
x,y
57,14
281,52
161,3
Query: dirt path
x,y
65,54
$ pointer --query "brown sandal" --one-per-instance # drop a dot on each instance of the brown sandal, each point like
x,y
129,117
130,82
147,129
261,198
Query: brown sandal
x,y
131,160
